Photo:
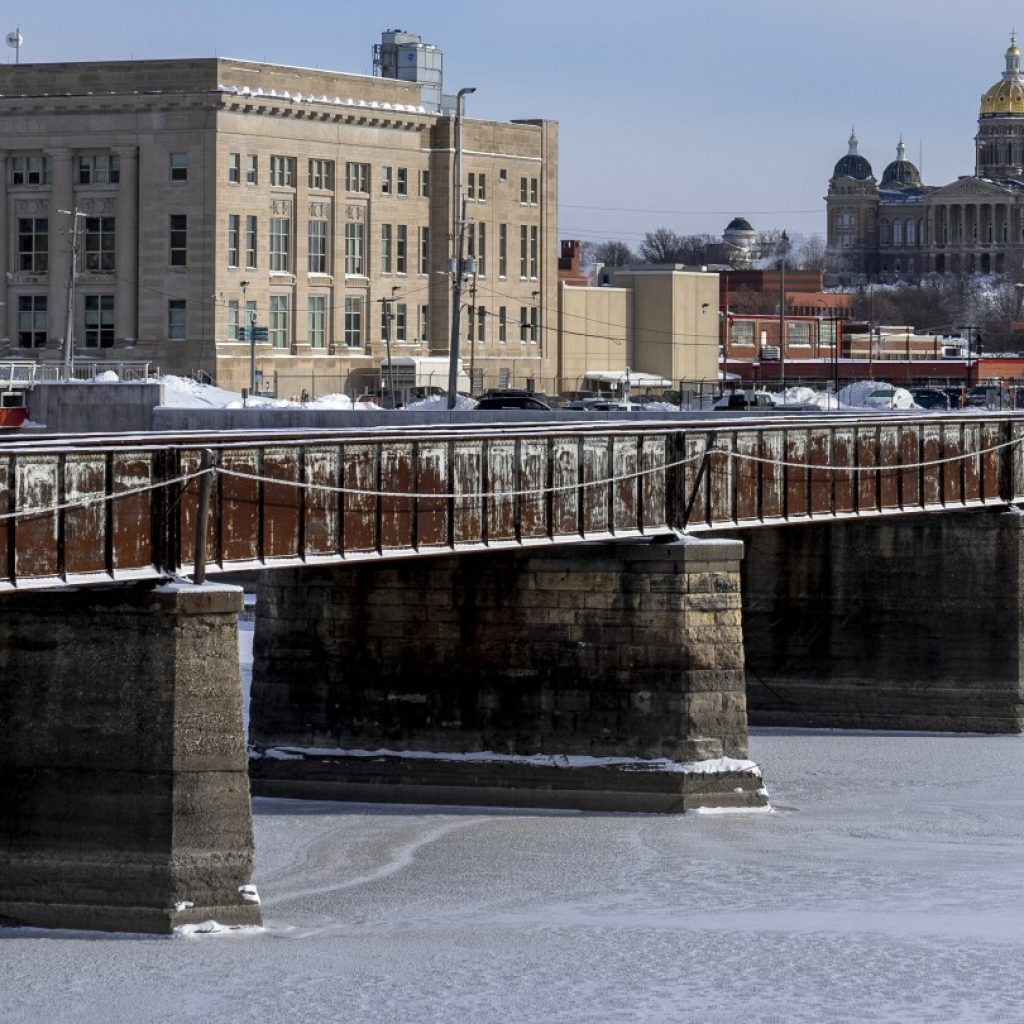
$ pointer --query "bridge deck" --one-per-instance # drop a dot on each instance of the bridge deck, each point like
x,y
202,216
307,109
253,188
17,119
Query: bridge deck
x,y
86,509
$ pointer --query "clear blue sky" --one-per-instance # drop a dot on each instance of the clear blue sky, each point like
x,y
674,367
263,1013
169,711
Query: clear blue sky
x,y
677,113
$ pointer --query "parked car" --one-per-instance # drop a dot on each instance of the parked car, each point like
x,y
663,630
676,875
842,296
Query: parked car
x,y
930,398
989,396
882,397
512,400
745,400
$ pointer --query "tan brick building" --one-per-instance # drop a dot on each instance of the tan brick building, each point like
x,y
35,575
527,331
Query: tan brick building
x,y
207,190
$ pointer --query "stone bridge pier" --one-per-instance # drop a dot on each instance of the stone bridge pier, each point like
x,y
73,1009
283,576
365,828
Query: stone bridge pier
x,y
604,676
913,622
124,798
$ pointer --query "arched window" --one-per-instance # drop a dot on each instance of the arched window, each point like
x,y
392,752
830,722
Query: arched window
x,y
920,231
897,232
908,232
883,231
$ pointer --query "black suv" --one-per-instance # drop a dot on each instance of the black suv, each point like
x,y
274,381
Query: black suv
x,y
510,399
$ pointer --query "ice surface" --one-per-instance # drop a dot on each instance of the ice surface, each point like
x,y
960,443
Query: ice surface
x,y
887,888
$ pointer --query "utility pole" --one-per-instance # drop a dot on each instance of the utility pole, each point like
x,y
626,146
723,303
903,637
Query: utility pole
x,y
473,330
69,330
388,316
252,342
459,235
783,249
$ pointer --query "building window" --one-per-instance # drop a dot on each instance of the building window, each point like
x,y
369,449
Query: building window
x,y
524,251
470,323
234,168
251,240
503,175
502,324
280,245
179,166
32,321
385,248
534,191
33,244
529,191
234,228
401,248
534,324
502,250
481,249
743,332
234,321
524,324
357,177
533,252
99,245
318,247
282,171
30,170
353,321
99,321
252,167
477,186
897,232
386,181
402,181
321,174
99,169
425,183
178,240
317,321
176,320
279,321
401,321
424,250
481,323
799,334
424,323
354,248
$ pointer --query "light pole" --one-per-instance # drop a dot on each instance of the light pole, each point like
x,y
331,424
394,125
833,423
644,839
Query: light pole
x,y
69,330
459,209
386,305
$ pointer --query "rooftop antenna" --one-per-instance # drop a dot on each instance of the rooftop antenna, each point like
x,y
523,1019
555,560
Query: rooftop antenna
x,y
14,41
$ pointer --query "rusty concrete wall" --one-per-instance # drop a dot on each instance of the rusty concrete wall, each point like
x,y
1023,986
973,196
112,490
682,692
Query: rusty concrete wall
x,y
911,623
125,798
631,649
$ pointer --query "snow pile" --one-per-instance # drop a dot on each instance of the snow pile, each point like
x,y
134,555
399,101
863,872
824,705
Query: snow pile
x,y
808,396
185,393
106,377
439,403
857,395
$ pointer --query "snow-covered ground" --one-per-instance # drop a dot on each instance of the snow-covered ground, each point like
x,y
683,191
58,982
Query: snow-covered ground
x,y
887,887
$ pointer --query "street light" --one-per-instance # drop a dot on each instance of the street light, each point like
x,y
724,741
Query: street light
x,y
252,343
459,209
783,249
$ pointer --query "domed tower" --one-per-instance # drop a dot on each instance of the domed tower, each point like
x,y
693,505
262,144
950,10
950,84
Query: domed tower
x,y
901,173
1000,142
852,232
740,238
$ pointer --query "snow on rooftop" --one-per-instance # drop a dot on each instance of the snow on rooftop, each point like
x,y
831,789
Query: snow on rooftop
x,y
245,90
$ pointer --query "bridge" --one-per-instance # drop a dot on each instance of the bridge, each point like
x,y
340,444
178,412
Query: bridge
x,y
548,614
77,511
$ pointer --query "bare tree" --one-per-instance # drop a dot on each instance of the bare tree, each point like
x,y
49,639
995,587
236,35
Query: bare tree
x,y
612,253
811,255
662,245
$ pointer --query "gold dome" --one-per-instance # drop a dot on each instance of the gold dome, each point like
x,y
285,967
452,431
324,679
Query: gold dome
x,y
1005,97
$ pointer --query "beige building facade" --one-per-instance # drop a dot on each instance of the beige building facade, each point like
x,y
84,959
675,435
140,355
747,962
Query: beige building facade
x,y
208,194
658,320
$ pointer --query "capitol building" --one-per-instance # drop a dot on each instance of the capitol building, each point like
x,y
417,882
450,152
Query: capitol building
x,y
898,227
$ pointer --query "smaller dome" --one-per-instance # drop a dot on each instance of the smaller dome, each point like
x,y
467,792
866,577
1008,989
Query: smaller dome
x,y
853,165
739,224
901,171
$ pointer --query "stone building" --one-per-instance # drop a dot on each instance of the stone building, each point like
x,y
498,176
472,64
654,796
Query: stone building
x,y
211,193
900,227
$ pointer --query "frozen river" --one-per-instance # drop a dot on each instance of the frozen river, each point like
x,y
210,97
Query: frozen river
x,y
887,886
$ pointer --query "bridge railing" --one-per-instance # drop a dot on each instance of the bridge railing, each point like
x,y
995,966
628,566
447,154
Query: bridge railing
x,y
79,510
